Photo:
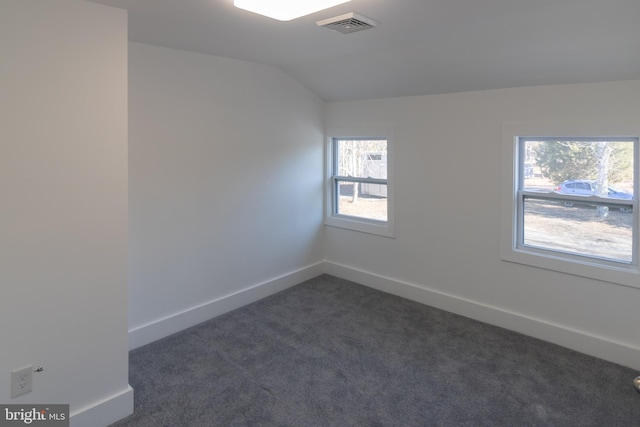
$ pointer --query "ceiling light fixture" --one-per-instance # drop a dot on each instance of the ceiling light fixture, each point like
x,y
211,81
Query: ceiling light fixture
x,y
286,10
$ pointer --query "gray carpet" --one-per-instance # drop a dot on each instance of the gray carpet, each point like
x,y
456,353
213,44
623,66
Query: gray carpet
x,y
329,352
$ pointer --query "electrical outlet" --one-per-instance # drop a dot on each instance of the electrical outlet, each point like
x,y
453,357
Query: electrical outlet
x,y
21,381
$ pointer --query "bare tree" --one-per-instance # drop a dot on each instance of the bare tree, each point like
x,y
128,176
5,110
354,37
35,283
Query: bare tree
x,y
603,156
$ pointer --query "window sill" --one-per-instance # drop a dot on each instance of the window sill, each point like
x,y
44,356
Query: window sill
x,y
618,274
379,228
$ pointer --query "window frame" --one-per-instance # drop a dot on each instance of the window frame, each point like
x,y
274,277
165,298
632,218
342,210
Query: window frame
x,y
512,228
364,225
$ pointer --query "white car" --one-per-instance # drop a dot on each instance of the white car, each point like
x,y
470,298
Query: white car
x,y
588,187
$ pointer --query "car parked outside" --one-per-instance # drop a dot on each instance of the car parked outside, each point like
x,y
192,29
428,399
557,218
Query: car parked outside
x,y
589,187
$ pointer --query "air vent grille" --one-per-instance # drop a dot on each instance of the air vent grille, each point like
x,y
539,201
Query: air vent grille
x,y
348,23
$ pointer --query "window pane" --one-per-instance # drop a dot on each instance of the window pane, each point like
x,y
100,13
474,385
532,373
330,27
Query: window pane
x,y
581,167
362,158
362,200
581,229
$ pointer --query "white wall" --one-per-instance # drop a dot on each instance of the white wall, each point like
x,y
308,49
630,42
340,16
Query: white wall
x,y
448,183
63,208
225,186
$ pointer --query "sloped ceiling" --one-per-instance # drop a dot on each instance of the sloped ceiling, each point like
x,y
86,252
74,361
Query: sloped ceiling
x,y
421,46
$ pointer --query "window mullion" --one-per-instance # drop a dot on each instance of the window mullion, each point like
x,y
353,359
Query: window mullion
x,y
581,199
359,179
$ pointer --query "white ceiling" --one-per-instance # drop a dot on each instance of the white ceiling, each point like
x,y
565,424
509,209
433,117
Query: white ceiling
x,y
421,47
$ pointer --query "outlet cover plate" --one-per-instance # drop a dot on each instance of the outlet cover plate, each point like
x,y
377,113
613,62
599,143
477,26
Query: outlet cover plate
x,y
21,381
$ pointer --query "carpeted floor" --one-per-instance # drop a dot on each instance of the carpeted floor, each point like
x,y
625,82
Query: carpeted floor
x,y
330,352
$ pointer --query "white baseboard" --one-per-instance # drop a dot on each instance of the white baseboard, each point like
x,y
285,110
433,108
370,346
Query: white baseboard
x,y
176,322
583,342
105,412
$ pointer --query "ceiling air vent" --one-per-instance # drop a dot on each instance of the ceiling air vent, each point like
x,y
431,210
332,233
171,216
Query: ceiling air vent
x,y
348,23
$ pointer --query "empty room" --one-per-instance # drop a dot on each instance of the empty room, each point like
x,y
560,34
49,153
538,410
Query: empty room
x,y
341,213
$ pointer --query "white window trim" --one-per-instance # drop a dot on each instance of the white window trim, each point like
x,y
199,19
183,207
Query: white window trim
x,y
619,273
380,228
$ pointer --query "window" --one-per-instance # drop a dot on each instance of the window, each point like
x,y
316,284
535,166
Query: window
x,y
359,193
572,204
